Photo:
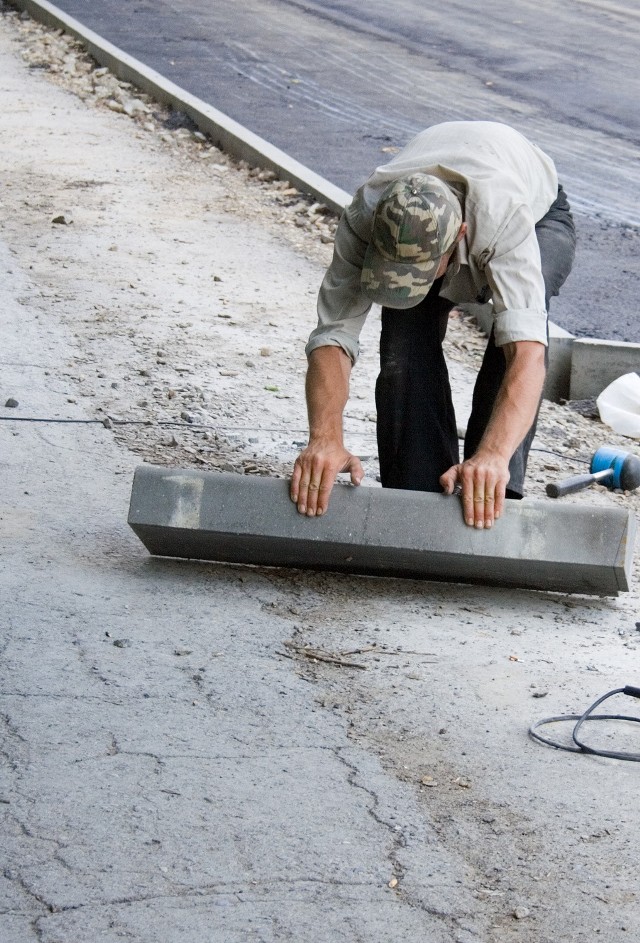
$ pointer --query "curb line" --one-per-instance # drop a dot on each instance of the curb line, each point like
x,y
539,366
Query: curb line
x,y
583,366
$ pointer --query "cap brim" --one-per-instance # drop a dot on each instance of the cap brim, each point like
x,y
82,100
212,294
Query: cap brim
x,y
393,284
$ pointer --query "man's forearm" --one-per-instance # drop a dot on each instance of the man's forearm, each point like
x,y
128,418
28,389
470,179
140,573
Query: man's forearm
x,y
517,401
327,391
485,474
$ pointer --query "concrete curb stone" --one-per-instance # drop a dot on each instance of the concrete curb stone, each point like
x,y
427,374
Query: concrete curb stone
x,y
239,519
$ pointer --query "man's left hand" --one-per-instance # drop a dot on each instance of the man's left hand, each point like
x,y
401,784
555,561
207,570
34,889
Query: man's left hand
x,y
483,479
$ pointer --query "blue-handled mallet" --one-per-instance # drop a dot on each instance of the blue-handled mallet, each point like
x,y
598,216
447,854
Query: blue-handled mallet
x,y
614,468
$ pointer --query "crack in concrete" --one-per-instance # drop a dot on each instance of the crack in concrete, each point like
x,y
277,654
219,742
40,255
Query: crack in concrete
x,y
47,695
28,832
114,749
12,728
241,895
9,749
398,838
16,878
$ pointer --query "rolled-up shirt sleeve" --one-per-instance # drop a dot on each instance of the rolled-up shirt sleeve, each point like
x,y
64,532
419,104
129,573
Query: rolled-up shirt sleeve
x,y
514,274
342,306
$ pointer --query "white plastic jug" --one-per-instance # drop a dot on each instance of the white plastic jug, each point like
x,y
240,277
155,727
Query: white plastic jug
x,y
619,405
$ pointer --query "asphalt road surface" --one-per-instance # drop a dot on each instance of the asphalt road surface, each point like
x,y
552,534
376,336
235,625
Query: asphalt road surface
x,y
340,91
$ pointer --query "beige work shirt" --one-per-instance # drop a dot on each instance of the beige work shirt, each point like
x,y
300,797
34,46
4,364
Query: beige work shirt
x,y
505,184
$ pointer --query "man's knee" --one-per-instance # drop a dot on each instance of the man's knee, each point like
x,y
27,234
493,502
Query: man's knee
x,y
557,252
556,235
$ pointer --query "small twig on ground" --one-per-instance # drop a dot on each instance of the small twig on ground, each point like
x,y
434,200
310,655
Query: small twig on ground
x,y
316,654
341,658
386,651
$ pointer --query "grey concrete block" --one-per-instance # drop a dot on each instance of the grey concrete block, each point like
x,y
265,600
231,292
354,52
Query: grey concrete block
x,y
597,363
236,519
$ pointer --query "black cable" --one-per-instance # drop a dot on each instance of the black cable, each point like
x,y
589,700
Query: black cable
x,y
194,425
152,422
583,461
580,719
38,419
107,421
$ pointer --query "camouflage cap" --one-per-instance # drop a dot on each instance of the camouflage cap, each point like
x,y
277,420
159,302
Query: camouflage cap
x,y
416,221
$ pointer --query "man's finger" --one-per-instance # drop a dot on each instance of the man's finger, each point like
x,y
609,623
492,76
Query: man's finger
x,y
450,480
489,505
312,491
485,493
294,487
302,495
468,497
479,505
474,494
304,486
324,491
355,469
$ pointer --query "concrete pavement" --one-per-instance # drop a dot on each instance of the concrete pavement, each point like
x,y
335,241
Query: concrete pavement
x,y
175,762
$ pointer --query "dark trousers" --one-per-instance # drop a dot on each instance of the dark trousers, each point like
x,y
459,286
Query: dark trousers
x,y
417,437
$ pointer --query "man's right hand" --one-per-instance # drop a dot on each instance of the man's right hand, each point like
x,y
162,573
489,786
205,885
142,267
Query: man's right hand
x,y
315,471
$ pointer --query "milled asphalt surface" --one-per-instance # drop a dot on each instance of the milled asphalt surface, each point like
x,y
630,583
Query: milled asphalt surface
x,y
170,772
